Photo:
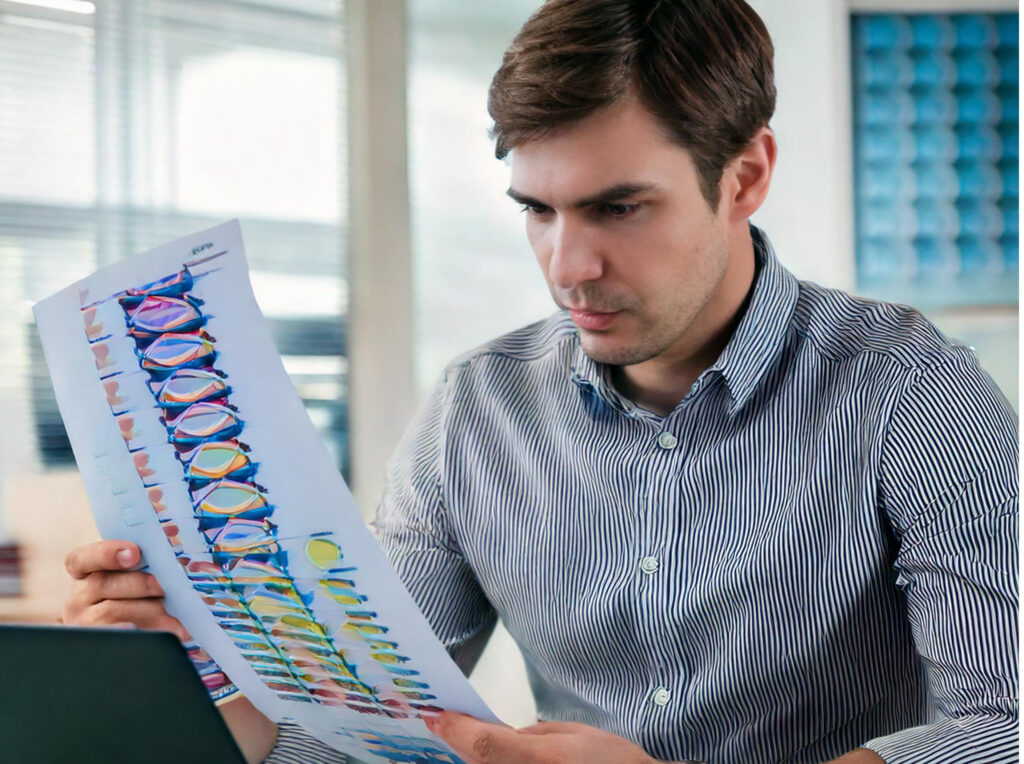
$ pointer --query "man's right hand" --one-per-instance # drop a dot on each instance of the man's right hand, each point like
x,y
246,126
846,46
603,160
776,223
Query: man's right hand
x,y
107,592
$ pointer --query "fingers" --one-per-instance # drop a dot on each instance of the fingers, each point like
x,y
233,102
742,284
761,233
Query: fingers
x,y
485,743
140,613
102,555
107,592
102,585
114,586
107,598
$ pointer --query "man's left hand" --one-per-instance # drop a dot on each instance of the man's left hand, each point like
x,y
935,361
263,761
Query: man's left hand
x,y
544,743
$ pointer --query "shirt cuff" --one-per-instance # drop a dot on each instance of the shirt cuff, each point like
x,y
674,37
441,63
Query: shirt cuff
x,y
296,746
969,740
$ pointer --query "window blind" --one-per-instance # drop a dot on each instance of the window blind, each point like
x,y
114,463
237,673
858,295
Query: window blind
x,y
125,123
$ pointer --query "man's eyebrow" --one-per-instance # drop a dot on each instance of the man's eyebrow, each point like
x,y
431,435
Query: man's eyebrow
x,y
608,195
519,198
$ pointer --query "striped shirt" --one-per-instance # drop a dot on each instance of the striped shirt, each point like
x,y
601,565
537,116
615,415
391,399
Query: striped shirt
x,y
815,550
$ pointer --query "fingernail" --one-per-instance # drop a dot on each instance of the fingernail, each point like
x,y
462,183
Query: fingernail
x,y
125,558
431,722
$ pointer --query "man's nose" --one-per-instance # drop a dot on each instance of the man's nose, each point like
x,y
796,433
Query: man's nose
x,y
575,255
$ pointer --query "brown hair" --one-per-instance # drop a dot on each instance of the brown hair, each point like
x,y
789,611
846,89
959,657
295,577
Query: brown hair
x,y
703,68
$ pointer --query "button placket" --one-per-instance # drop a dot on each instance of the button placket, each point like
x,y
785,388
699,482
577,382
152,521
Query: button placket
x,y
663,450
649,564
667,440
661,697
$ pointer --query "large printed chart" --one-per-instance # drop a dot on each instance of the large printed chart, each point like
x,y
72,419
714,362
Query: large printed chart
x,y
193,443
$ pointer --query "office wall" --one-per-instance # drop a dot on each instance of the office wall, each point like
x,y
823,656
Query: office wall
x,y
808,214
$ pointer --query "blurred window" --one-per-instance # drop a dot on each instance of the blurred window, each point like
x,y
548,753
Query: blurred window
x,y
474,275
126,123
936,158
469,247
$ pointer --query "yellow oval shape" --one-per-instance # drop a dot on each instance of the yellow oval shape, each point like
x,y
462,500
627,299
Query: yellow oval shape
x,y
323,553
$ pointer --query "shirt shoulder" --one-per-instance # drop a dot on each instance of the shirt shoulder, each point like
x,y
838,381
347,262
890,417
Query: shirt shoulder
x,y
845,327
548,341
523,371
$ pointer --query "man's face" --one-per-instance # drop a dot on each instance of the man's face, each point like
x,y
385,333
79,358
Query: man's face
x,y
627,243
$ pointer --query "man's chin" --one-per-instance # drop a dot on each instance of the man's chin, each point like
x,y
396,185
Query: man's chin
x,y
603,349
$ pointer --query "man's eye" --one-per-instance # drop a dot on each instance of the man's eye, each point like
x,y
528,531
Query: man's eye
x,y
535,209
620,210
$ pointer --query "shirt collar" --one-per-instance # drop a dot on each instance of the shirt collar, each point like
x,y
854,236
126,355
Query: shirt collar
x,y
761,334
750,352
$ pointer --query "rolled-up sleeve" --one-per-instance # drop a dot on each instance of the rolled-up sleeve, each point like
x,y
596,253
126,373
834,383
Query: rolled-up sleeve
x,y
412,528
949,487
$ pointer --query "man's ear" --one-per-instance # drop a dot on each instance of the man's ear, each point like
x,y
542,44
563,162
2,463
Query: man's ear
x,y
747,177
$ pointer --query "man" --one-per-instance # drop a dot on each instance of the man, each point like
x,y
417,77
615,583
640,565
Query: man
x,y
726,515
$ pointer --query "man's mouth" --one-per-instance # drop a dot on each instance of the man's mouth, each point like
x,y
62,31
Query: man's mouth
x,y
592,320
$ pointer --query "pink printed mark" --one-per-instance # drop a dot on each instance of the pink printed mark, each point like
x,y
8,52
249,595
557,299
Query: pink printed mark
x,y
171,531
127,425
141,460
113,398
101,353
156,498
93,330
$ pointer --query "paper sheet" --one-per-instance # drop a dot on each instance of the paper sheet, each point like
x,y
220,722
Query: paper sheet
x,y
193,443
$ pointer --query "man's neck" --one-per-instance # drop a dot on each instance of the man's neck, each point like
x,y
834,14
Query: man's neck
x,y
660,386
660,383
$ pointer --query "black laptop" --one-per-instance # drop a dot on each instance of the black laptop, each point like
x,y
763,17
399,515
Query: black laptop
x,y
104,696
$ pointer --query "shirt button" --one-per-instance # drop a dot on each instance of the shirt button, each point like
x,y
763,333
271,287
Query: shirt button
x,y
661,697
667,440
649,564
